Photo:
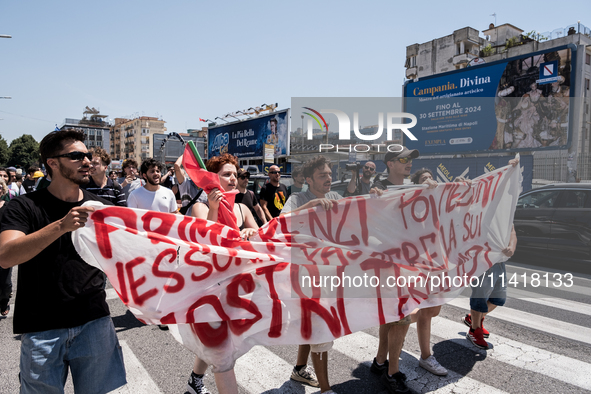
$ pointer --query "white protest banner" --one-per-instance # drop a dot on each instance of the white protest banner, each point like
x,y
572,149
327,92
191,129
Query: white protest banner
x,y
308,277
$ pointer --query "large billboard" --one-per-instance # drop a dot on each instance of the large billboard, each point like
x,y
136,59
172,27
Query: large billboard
x,y
247,138
516,104
174,148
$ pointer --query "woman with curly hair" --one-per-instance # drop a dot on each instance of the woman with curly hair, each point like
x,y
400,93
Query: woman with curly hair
x,y
226,166
420,176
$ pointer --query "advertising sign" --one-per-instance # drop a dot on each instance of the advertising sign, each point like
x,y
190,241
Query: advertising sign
x,y
516,104
269,153
247,138
446,170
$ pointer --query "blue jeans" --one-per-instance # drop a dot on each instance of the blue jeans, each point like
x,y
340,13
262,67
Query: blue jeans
x,y
491,288
91,351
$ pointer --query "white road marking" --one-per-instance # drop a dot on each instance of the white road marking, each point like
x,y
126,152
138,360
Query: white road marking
x,y
138,379
362,347
261,370
520,355
536,322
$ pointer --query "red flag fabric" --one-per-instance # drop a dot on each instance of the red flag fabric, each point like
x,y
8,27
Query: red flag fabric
x,y
202,120
209,181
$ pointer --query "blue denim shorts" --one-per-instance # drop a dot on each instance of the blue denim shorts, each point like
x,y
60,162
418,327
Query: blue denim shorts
x,y
91,351
491,288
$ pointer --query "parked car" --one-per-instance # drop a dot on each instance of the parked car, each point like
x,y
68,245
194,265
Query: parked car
x,y
555,220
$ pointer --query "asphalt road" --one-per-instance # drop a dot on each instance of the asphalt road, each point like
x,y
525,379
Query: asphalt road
x,y
540,343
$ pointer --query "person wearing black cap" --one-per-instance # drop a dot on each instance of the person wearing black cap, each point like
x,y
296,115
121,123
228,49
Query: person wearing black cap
x,y
248,198
398,165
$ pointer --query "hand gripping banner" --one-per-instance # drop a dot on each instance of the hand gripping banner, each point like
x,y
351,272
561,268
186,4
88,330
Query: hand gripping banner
x,y
308,277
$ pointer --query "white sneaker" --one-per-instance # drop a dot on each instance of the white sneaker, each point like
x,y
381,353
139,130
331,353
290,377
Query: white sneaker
x,y
431,365
305,375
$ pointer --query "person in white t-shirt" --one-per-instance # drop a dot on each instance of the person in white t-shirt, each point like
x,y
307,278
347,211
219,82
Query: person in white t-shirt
x,y
152,195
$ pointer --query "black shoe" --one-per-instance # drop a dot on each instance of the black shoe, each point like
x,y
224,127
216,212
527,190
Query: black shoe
x,y
379,369
196,385
395,383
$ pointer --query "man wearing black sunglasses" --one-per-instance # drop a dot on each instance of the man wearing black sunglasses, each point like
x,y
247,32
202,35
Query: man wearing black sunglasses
x,y
248,198
398,165
358,186
273,194
61,309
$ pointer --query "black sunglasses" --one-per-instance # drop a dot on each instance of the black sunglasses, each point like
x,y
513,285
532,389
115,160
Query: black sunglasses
x,y
243,176
274,172
78,156
369,168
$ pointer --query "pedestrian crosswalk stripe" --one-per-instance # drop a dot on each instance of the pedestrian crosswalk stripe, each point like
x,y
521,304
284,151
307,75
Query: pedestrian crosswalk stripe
x,y
111,294
535,322
520,355
261,370
554,302
138,379
582,290
362,347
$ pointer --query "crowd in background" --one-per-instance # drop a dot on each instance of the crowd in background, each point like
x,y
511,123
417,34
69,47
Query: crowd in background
x,y
81,175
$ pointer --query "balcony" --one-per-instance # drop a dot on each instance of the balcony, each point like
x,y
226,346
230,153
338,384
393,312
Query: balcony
x,y
411,72
463,58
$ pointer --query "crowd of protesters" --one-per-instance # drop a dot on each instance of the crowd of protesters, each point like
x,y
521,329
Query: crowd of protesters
x,y
39,209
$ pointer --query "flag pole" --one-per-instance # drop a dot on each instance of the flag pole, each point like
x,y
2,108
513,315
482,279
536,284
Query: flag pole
x,y
196,154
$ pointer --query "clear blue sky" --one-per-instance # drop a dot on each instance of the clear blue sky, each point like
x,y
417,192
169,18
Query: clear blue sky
x,y
182,60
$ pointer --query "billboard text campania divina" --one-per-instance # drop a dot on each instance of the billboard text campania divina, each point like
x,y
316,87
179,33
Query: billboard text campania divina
x,y
516,104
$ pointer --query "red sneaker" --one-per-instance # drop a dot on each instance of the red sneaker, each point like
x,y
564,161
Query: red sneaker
x,y
475,336
468,321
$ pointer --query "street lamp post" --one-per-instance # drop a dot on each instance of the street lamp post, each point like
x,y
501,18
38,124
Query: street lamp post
x,y
5,36
303,138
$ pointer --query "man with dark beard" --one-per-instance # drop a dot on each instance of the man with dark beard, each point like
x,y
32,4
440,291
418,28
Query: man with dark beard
x,y
152,196
60,309
358,186
318,174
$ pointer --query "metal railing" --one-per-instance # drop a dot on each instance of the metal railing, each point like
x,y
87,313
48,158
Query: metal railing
x,y
561,32
554,167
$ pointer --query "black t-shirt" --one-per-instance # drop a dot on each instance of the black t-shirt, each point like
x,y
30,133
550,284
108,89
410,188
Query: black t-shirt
x,y
382,184
29,185
56,288
275,197
168,182
248,199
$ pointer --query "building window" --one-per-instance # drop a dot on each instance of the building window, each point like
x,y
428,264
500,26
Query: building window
x,y
587,83
587,58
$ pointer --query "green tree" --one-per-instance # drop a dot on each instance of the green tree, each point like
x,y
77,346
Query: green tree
x,y
23,151
4,155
